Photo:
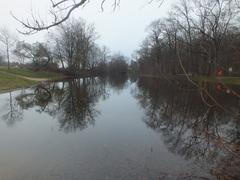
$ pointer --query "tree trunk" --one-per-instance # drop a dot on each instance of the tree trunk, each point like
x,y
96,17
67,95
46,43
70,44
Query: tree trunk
x,y
8,58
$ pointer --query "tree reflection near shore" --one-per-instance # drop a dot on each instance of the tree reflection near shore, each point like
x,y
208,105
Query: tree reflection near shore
x,y
72,103
191,128
13,111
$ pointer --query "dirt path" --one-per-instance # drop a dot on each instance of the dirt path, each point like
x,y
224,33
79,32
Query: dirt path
x,y
33,79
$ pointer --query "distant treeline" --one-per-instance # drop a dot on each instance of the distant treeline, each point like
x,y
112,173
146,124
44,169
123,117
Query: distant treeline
x,y
202,36
71,48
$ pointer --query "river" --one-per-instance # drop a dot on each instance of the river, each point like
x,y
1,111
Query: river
x,y
119,128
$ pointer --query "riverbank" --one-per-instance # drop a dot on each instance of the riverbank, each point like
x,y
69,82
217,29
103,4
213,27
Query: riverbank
x,y
21,77
223,80
211,79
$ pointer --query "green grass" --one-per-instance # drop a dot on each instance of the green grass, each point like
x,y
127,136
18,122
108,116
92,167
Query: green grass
x,y
214,79
30,73
8,81
14,78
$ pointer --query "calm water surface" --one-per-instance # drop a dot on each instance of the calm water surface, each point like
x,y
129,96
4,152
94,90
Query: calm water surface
x,y
117,128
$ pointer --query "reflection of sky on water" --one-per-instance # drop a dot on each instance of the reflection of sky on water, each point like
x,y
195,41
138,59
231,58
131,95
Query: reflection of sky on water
x,y
112,129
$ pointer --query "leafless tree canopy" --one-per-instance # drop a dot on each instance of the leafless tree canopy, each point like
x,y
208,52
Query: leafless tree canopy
x,y
74,45
198,32
7,39
59,12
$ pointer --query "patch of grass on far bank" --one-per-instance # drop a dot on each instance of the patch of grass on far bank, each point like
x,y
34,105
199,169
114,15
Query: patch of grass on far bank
x,y
214,79
9,81
30,73
23,77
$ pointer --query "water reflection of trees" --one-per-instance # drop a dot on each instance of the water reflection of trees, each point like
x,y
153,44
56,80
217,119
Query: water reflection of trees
x,y
72,103
78,106
118,82
189,127
13,111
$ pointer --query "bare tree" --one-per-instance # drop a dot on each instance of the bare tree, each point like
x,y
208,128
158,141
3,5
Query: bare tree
x,y
198,31
184,17
216,18
19,52
118,65
38,53
104,55
14,113
8,40
2,61
74,43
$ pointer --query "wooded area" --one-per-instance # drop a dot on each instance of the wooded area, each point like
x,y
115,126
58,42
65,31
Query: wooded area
x,y
199,37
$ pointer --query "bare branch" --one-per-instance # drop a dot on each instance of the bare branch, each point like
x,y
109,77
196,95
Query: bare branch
x,y
65,7
37,25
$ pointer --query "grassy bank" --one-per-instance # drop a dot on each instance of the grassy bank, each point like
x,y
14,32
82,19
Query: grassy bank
x,y
30,73
211,79
21,77
9,81
214,79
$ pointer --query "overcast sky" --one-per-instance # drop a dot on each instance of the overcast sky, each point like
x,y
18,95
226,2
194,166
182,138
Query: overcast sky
x,y
121,30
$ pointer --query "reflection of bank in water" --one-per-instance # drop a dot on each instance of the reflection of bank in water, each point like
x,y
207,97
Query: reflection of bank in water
x,y
191,128
72,102
207,137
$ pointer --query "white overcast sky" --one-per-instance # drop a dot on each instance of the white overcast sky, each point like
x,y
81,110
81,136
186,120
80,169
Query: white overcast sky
x,y
121,30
